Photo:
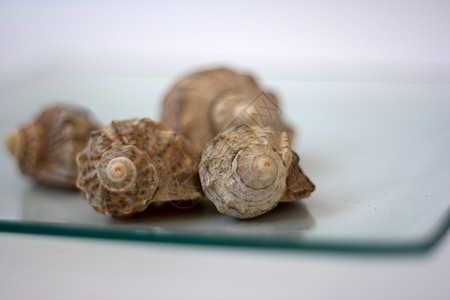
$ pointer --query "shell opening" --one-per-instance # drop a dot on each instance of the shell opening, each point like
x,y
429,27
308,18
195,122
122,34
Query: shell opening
x,y
257,171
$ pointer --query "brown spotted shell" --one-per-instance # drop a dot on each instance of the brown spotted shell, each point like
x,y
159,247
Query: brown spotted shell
x,y
130,164
246,170
47,148
204,103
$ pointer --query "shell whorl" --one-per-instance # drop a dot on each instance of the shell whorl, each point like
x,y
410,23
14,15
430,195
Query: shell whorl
x,y
242,172
117,174
129,164
120,182
121,169
255,170
247,170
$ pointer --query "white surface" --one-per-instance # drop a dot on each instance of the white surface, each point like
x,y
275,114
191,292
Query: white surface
x,y
318,40
63,268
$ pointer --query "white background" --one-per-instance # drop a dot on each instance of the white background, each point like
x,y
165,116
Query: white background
x,y
313,40
39,267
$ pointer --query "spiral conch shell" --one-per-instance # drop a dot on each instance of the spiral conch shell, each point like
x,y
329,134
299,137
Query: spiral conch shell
x,y
47,148
246,170
218,98
130,164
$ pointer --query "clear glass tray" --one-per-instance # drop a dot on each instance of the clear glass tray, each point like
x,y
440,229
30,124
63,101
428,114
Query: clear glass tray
x,y
378,152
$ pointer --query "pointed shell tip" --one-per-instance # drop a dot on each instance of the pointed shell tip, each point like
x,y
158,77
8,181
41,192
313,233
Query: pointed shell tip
x,y
13,143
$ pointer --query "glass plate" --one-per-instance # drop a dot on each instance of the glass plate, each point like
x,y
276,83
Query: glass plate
x,y
378,153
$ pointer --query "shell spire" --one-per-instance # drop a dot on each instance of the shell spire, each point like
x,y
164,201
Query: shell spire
x,y
118,174
256,170
129,164
14,143
222,98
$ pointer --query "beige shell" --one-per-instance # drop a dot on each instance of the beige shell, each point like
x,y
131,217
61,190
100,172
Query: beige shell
x,y
246,170
47,148
130,164
205,103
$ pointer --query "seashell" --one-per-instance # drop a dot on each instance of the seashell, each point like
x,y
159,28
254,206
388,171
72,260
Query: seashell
x,y
47,148
246,170
218,99
130,164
